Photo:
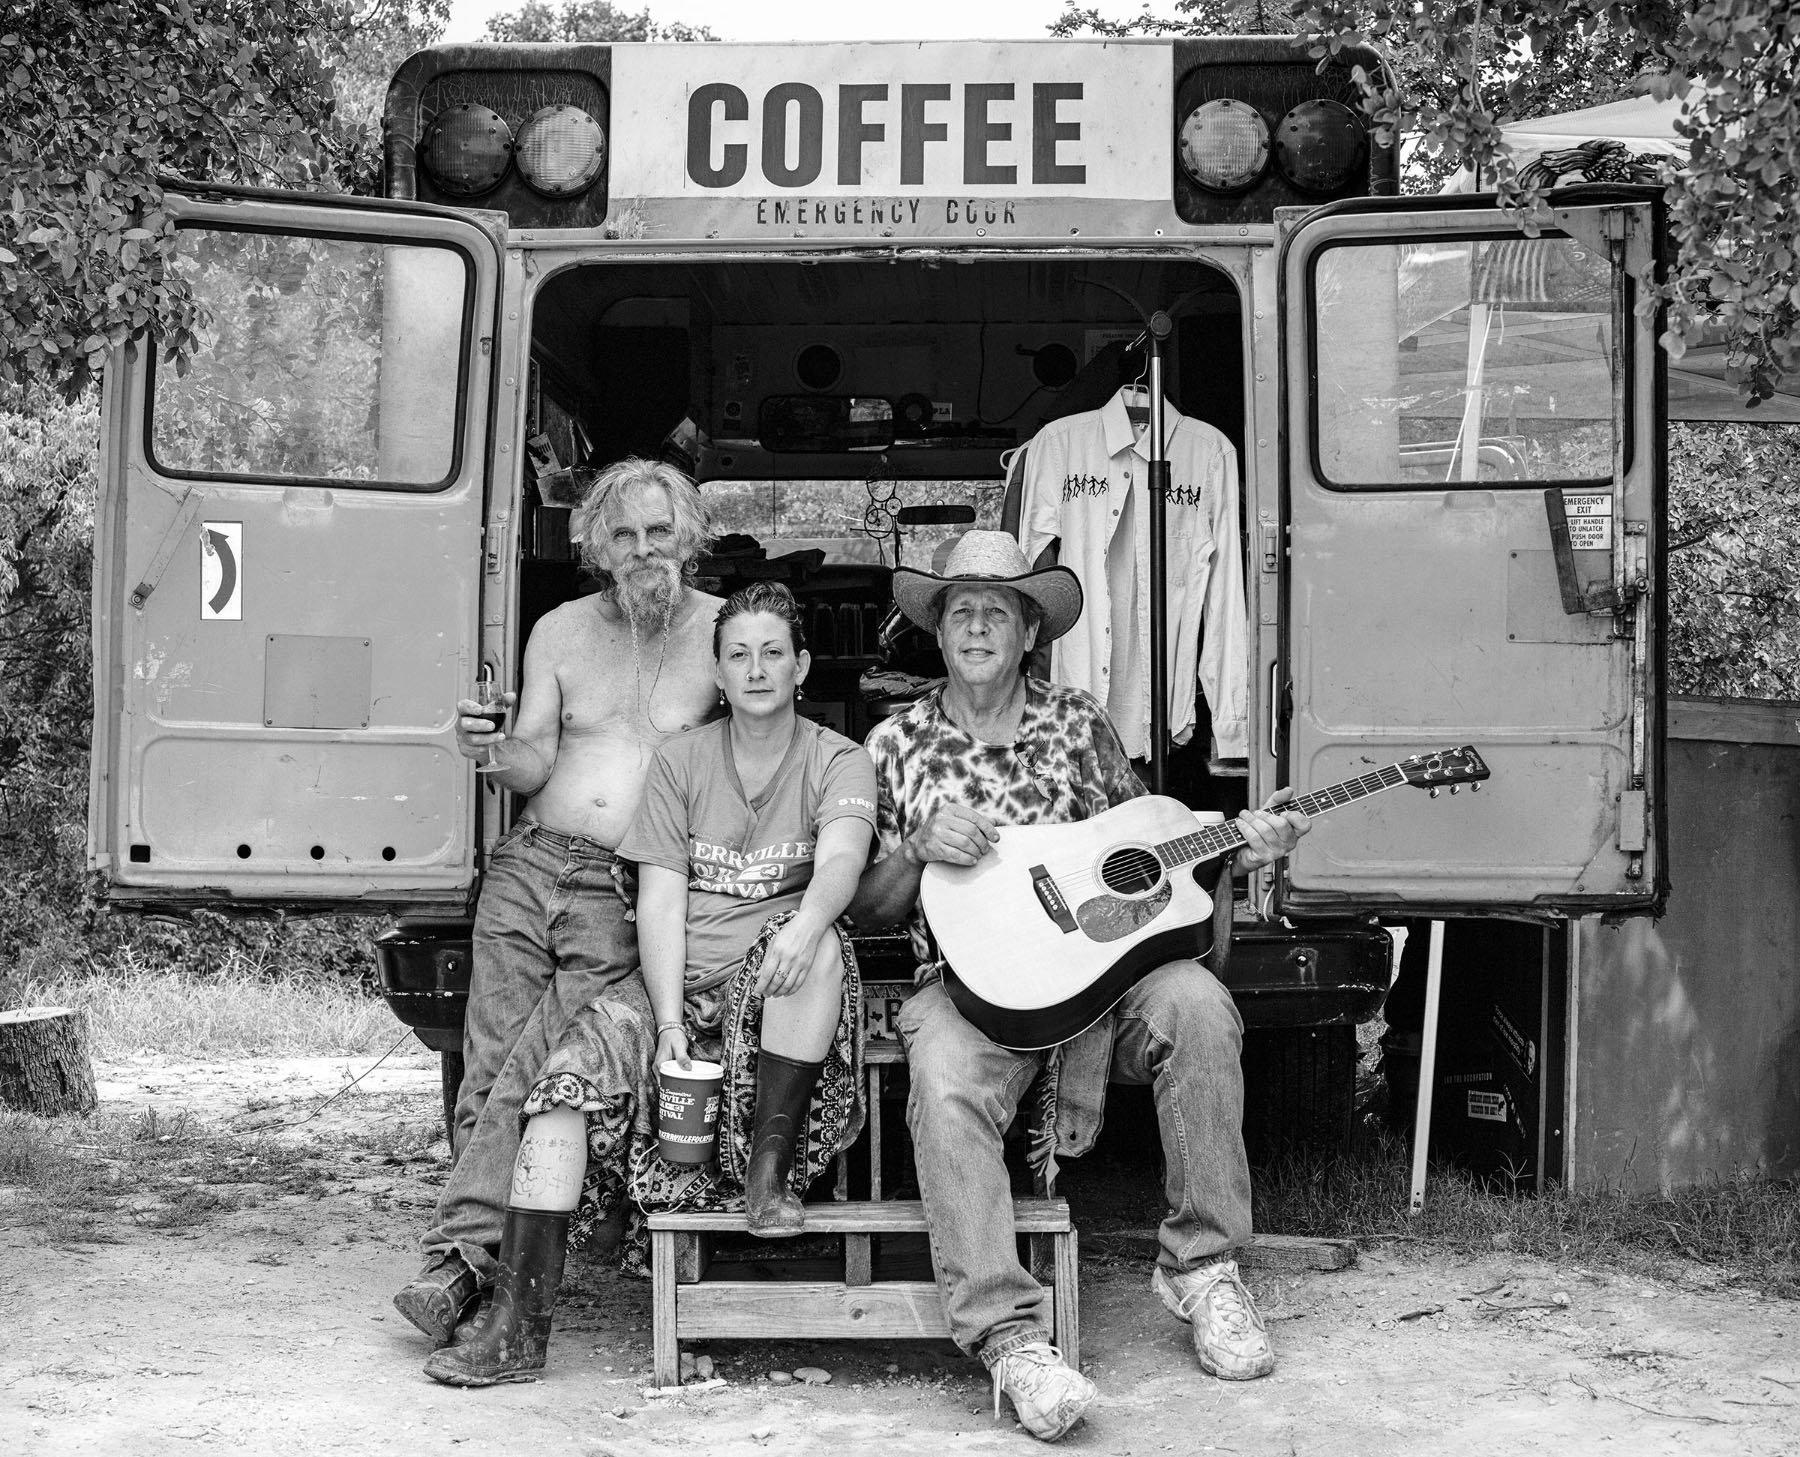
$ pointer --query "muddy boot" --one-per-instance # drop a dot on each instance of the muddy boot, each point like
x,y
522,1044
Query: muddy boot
x,y
509,1337
439,1297
783,1090
472,1322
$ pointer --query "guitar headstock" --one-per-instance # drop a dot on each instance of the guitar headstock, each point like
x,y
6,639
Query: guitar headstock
x,y
1444,766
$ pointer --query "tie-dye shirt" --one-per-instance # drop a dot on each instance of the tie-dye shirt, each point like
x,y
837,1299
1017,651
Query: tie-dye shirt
x,y
1065,764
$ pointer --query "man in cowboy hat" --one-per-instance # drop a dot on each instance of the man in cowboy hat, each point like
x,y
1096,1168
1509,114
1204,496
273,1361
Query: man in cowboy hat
x,y
994,747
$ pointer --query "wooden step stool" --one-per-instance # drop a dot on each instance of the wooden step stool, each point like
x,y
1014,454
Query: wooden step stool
x,y
689,1306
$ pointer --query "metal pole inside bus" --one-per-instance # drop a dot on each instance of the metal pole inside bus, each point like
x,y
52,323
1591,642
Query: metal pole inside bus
x,y
1156,330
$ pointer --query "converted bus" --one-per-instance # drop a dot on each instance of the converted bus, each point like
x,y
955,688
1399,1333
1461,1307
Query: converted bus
x,y
842,285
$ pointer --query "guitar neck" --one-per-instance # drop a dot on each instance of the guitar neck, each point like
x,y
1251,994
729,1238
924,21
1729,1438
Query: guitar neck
x,y
1207,842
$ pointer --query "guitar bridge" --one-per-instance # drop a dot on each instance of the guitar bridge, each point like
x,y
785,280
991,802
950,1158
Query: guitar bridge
x,y
1051,899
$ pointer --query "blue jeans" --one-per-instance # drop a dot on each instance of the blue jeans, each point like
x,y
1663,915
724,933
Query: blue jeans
x,y
1177,1030
551,935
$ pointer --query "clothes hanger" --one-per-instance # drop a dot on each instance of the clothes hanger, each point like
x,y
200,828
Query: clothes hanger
x,y
1136,397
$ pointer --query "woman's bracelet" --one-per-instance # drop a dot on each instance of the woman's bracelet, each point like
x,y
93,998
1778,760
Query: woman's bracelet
x,y
662,1027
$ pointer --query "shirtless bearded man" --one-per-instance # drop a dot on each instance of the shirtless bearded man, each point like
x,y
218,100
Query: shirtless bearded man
x,y
607,678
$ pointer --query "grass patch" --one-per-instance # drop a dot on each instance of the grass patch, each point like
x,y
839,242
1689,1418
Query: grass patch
x,y
1746,1227
80,1181
240,1011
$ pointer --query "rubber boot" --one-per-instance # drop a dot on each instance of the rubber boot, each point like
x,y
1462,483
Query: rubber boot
x,y
509,1337
784,1089
440,1298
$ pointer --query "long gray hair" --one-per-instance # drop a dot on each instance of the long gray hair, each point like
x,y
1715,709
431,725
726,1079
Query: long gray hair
x,y
593,519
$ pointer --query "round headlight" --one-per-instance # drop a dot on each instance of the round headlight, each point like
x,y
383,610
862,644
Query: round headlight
x,y
561,151
467,148
1321,146
1224,145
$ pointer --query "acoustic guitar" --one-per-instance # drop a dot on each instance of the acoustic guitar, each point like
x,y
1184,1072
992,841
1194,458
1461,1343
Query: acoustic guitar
x,y
1056,922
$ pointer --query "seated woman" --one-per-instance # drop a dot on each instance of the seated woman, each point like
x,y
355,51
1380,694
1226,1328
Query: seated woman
x,y
753,832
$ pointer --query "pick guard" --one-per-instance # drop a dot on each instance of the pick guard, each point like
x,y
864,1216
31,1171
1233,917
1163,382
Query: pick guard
x,y
1112,918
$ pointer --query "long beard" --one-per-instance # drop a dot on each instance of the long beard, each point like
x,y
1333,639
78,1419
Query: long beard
x,y
647,596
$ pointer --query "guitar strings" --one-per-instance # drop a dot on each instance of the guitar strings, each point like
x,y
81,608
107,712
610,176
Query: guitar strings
x,y
1075,881
1089,874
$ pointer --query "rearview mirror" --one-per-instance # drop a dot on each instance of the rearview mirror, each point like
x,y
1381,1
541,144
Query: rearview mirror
x,y
824,423
935,516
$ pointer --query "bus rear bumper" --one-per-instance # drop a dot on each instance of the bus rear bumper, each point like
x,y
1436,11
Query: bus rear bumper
x,y
1315,975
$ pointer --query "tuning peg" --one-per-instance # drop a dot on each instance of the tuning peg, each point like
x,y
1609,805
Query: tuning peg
x,y
1474,789
1454,788
1433,791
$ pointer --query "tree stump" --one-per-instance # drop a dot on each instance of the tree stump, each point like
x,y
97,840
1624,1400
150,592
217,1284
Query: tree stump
x,y
44,1064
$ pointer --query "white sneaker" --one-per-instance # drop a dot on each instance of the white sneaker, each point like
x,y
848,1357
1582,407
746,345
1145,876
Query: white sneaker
x,y
1048,1395
1229,1337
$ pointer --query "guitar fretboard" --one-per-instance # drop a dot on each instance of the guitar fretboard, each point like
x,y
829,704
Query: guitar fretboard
x,y
1209,841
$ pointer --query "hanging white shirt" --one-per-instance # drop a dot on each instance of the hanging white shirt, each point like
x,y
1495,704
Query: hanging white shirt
x,y
1087,479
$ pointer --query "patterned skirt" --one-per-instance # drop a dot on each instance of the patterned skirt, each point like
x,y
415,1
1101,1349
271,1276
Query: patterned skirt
x,y
602,1067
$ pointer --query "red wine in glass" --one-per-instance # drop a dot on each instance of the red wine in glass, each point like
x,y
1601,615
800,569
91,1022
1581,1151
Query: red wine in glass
x,y
492,707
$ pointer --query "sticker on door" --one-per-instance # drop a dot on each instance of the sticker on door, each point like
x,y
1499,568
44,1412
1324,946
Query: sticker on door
x,y
222,571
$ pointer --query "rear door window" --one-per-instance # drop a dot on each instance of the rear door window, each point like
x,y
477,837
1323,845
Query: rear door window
x,y
329,359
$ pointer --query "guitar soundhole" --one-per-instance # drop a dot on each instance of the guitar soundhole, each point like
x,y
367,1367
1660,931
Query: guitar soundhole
x,y
1131,872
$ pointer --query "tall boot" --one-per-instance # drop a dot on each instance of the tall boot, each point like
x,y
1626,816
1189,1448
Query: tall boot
x,y
784,1089
509,1337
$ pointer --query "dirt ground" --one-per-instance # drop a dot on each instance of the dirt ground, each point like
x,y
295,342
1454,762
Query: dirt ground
x,y
266,1328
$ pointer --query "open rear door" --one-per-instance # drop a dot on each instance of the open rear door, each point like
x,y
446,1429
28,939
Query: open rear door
x,y
288,563
1474,494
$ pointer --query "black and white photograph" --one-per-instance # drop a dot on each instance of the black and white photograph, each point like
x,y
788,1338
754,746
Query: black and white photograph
x,y
800,729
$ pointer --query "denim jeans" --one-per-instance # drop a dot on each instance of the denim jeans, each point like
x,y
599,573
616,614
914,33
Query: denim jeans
x,y
1176,1030
551,935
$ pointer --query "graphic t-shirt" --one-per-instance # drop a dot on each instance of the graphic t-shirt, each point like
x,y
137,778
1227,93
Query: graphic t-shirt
x,y
1065,764
745,859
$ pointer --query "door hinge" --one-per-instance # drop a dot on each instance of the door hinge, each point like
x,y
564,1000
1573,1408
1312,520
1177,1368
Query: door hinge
x,y
1634,821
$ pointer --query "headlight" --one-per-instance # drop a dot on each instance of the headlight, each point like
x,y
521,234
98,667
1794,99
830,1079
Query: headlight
x,y
1321,146
467,149
560,151
1224,145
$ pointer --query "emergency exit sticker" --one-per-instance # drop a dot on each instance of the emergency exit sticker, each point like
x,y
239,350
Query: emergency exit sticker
x,y
222,571
1590,519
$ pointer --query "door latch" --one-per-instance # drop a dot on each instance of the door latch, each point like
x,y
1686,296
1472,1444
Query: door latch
x,y
1578,597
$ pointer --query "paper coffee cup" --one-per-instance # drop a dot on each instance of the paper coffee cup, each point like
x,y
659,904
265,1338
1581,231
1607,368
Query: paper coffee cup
x,y
687,1110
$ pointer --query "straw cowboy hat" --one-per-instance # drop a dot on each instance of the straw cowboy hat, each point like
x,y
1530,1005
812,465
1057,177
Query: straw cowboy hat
x,y
994,557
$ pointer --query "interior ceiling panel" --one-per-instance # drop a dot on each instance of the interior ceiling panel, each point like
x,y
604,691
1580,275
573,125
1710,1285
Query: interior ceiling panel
x,y
588,334
768,292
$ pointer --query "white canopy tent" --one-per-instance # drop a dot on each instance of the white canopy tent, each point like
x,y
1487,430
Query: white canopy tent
x,y
1645,125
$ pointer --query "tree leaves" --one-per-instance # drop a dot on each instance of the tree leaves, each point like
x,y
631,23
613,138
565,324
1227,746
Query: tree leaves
x,y
105,97
1734,534
1461,68
1730,206
587,20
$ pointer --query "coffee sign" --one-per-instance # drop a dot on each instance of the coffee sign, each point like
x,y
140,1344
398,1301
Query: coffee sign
x,y
901,128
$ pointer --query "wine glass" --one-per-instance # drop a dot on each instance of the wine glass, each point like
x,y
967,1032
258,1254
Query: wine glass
x,y
492,699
